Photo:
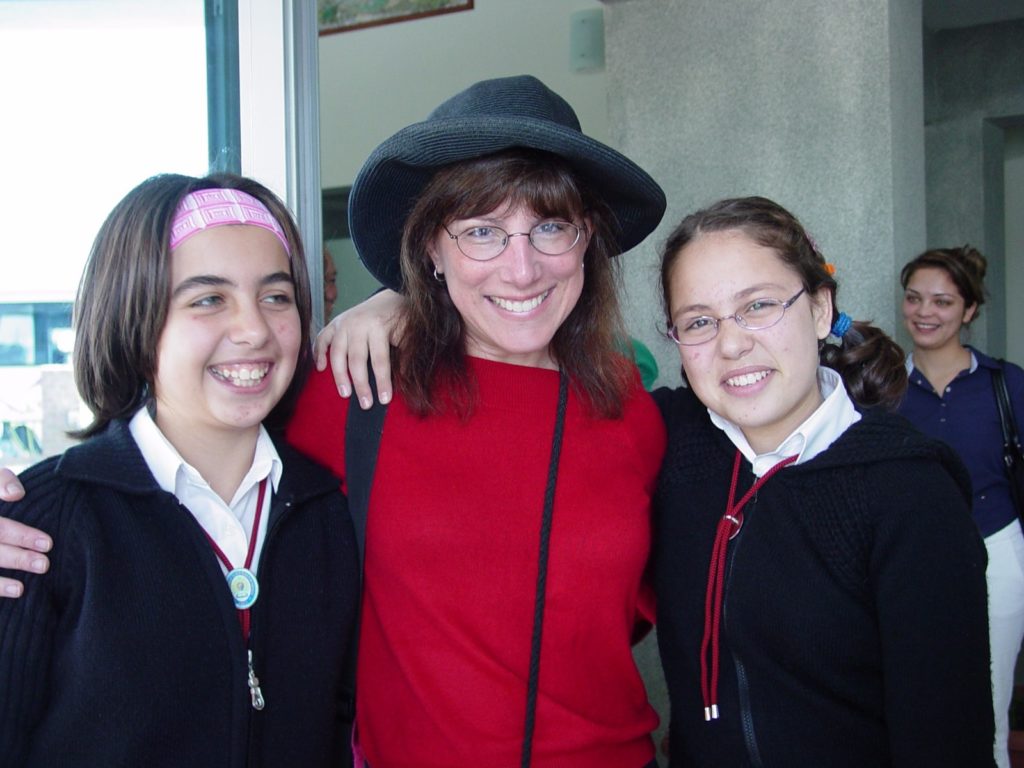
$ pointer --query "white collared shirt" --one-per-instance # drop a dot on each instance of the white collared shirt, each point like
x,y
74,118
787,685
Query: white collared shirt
x,y
227,524
822,428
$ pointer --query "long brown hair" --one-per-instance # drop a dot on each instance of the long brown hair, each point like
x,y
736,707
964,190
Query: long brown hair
x,y
125,291
430,362
870,363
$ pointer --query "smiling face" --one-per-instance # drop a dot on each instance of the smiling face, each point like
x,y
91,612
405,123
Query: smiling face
x,y
230,344
934,310
513,304
763,381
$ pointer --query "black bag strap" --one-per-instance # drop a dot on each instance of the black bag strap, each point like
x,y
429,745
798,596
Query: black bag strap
x,y
362,441
1011,438
363,430
542,573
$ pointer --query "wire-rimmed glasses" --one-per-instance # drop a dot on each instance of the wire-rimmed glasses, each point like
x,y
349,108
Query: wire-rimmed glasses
x,y
755,316
484,242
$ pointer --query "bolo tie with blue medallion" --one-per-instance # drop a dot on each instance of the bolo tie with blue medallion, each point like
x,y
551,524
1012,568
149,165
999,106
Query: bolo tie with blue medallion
x,y
244,590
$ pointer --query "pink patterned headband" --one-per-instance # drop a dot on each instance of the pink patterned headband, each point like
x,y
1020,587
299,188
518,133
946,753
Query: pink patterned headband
x,y
207,208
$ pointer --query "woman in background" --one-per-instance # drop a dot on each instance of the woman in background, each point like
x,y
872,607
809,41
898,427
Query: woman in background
x,y
951,398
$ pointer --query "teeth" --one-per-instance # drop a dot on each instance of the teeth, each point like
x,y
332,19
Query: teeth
x,y
242,376
746,379
520,306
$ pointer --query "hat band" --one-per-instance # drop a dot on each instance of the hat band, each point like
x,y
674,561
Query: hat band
x,y
207,208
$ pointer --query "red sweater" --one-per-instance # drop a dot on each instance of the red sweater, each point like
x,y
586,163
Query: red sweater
x,y
451,568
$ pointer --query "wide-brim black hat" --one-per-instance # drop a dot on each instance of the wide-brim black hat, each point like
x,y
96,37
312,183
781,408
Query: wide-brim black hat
x,y
488,117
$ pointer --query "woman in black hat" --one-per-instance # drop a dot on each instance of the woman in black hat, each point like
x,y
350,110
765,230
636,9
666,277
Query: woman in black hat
x,y
509,519
509,528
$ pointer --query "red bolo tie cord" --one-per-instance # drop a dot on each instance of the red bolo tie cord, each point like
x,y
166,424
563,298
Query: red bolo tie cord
x,y
243,613
728,527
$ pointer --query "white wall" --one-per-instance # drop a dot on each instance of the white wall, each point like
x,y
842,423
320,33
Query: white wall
x,y
376,81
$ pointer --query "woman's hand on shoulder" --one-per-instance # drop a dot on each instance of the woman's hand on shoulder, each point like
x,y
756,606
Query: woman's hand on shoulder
x,y
360,334
21,547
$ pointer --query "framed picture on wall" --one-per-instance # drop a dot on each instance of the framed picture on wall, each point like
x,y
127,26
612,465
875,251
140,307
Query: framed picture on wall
x,y
346,15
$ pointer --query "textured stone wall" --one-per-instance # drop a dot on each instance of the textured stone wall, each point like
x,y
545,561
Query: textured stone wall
x,y
816,105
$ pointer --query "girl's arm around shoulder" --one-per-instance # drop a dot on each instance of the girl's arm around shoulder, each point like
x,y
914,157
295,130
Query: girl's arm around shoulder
x,y
29,624
927,572
317,426
22,547
46,502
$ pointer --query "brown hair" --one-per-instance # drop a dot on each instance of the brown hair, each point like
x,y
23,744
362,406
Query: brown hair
x,y
430,361
965,266
870,363
125,291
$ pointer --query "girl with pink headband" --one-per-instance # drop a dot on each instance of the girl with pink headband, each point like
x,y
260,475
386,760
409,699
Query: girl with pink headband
x,y
203,598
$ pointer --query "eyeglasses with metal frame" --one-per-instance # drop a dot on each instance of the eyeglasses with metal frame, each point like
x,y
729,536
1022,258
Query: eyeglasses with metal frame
x,y
484,242
755,316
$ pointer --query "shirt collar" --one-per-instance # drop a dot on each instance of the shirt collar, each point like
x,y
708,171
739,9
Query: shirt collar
x,y
972,369
834,416
172,472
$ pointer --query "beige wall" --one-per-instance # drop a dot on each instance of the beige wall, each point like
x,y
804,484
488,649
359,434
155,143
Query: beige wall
x,y
375,81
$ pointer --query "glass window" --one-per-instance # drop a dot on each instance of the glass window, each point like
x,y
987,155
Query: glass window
x,y
35,334
107,93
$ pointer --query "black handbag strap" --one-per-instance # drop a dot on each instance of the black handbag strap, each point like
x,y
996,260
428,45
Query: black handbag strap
x,y
1011,438
542,572
362,442
363,430
1006,418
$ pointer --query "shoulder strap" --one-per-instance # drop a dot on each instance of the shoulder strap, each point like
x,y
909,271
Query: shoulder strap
x,y
362,441
1011,441
1006,419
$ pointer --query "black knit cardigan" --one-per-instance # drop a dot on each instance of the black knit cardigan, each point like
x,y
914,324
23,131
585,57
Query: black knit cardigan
x,y
854,629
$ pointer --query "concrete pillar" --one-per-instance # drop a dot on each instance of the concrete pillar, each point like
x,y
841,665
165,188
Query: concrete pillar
x,y
818,106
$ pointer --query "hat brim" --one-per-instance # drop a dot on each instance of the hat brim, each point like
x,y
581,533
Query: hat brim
x,y
395,174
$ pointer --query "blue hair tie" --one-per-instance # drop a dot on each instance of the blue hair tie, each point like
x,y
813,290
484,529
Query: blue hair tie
x,y
841,325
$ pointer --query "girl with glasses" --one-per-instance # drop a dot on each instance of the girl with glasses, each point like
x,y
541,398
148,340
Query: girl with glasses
x,y
821,585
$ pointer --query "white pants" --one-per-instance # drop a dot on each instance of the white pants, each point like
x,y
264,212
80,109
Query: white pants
x,y
1005,577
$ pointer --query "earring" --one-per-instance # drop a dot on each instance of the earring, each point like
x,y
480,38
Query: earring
x,y
439,276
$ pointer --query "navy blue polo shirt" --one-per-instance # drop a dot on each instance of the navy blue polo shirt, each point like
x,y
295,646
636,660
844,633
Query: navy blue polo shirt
x,y
966,417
